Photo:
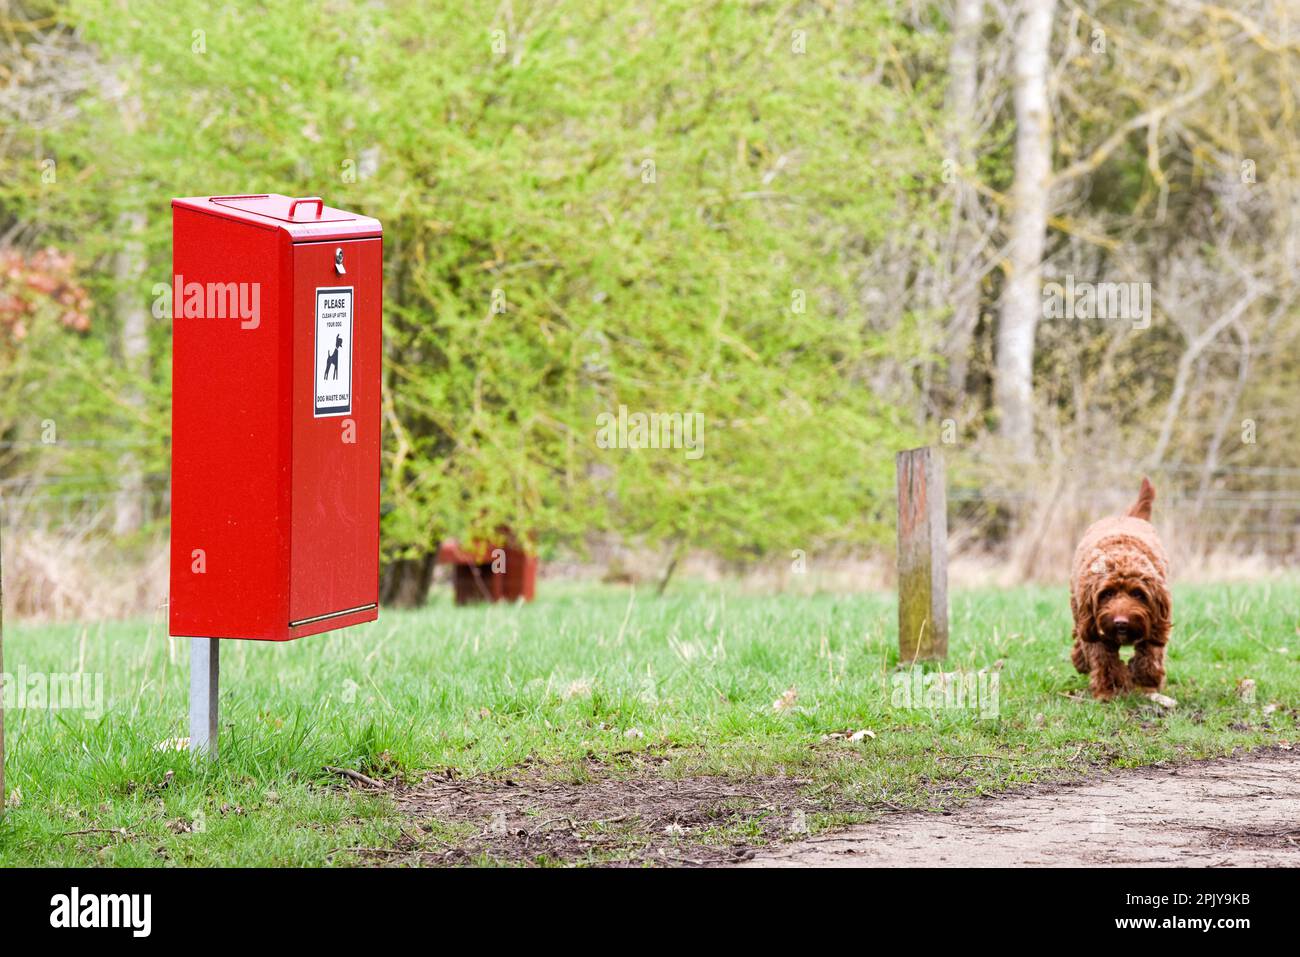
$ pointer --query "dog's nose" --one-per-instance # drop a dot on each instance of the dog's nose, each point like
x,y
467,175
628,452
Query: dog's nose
x,y
1119,621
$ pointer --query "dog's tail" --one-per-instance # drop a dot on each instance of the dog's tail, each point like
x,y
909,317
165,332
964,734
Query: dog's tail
x,y
1146,498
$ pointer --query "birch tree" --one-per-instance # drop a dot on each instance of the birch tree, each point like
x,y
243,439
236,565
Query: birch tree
x,y
133,315
963,63
1021,296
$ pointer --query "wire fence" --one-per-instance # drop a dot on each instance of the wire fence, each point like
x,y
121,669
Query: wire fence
x,y
64,504
49,502
1243,510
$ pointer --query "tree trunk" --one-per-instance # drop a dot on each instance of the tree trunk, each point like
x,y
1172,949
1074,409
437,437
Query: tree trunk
x,y
1211,463
406,582
1187,366
667,576
1022,292
133,315
963,65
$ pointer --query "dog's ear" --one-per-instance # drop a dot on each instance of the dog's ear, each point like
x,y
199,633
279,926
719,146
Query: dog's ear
x,y
1083,606
1161,612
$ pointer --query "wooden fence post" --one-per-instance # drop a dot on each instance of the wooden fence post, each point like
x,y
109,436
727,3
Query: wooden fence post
x,y
922,555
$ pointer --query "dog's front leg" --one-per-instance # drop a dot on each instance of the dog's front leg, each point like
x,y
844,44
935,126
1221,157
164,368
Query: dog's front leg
x,y
1107,675
1079,656
1147,666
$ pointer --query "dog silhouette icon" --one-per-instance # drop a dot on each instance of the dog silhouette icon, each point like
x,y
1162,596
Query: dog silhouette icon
x,y
332,358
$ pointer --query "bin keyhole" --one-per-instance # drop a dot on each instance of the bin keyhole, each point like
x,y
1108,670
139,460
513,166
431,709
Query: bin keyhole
x,y
338,261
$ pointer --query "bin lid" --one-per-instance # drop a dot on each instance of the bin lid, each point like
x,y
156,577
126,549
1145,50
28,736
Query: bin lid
x,y
285,208
304,218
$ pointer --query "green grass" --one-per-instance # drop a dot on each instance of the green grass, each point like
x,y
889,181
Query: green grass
x,y
486,689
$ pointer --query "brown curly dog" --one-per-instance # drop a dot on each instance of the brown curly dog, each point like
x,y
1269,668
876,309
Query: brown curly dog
x,y
1119,595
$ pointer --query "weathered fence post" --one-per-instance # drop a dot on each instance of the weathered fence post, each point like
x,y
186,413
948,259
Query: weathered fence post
x,y
922,555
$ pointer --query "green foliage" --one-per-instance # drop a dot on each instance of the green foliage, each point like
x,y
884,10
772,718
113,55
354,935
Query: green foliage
x,y
663,206
648,191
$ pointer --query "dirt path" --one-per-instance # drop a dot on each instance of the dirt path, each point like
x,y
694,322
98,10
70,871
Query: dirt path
x,y
1231,812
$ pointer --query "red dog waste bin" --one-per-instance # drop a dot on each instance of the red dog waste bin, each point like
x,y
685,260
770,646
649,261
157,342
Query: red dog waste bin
x,y
275,417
